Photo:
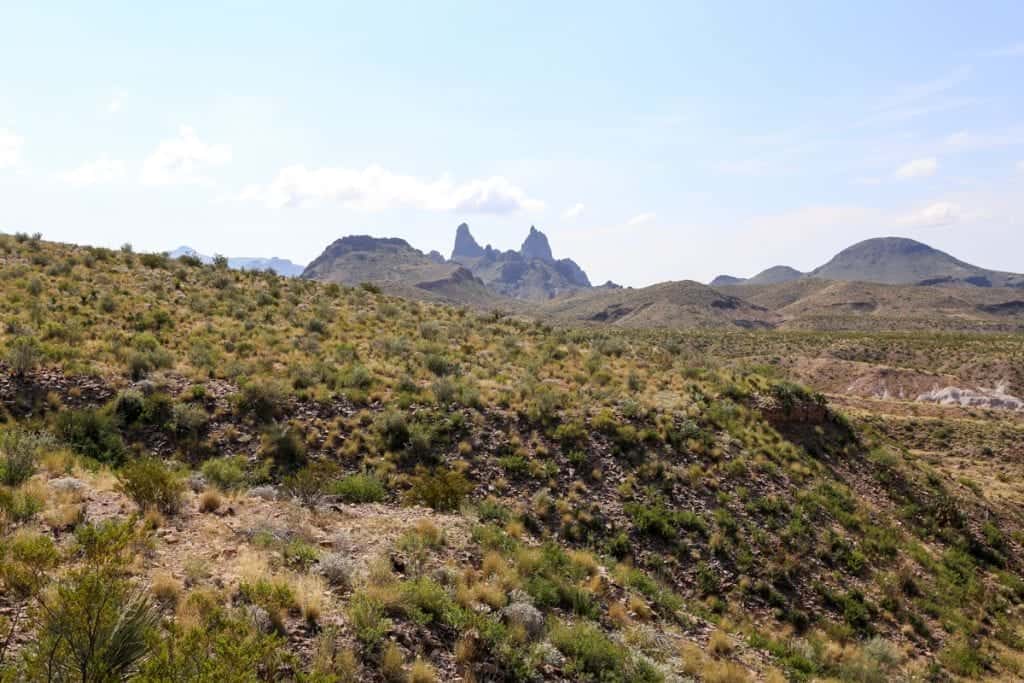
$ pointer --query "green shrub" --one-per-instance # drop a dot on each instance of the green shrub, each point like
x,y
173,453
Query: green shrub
x,y
368,621
224,646
284,447
394,431
25,561
227,473
94,626
92,433
261,399
359,488
24,355
591,652
310,483
19,505
441,489
151,484
19,454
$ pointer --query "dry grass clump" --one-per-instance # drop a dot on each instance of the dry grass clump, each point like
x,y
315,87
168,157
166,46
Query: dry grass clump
x,y
165,588
619,615
422,671
724,671
311,595
392,663
720,644
210,500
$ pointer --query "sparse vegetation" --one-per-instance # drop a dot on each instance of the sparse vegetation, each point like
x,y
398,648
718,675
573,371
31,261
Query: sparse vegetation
x,y
597,496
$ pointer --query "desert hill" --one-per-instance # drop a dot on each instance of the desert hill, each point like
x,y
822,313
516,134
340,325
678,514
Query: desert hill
x,y
889,260
685,304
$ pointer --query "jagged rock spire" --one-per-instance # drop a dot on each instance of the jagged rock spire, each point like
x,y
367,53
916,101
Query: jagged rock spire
x,y
536,246
465,245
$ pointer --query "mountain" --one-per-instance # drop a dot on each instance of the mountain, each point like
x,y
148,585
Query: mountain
x,y
901,261
887,260
532,273
724,280
775,275
684,304
278,265
770,276
398,268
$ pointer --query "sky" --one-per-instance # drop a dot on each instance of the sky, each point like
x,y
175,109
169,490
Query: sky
x,y
649,141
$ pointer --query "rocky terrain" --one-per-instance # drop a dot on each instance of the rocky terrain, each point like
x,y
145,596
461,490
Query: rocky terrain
x,y
251,477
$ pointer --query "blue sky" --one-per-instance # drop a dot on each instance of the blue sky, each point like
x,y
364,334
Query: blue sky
x,y
650,141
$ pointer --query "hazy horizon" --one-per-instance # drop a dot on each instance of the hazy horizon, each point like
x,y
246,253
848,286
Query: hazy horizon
x,y
658,143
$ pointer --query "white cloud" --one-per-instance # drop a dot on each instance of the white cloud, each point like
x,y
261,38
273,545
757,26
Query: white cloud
x,y
181,161
574,211
10,148
375,189
641,219
918,168
933,215
100,172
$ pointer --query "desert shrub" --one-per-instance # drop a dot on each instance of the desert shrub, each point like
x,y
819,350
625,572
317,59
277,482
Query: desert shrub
x,y
151,484
337,569
273,594
440,489
367,618
25,561
440,365
129,407
359,488
188,422
24,355
260,399
284,447
94,626
394,430
592,653
109,542
92,433
226,473
19,505
309,484
19,454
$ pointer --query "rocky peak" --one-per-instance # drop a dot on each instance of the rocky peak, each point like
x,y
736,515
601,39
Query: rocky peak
x,y
536,246
465,245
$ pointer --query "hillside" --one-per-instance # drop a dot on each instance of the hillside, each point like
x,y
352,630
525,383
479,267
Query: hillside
x,y
240,476
680,305
826,305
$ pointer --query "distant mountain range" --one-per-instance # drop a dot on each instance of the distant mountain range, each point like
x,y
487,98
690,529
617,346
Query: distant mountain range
x,y
887,283
887,260
278,265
